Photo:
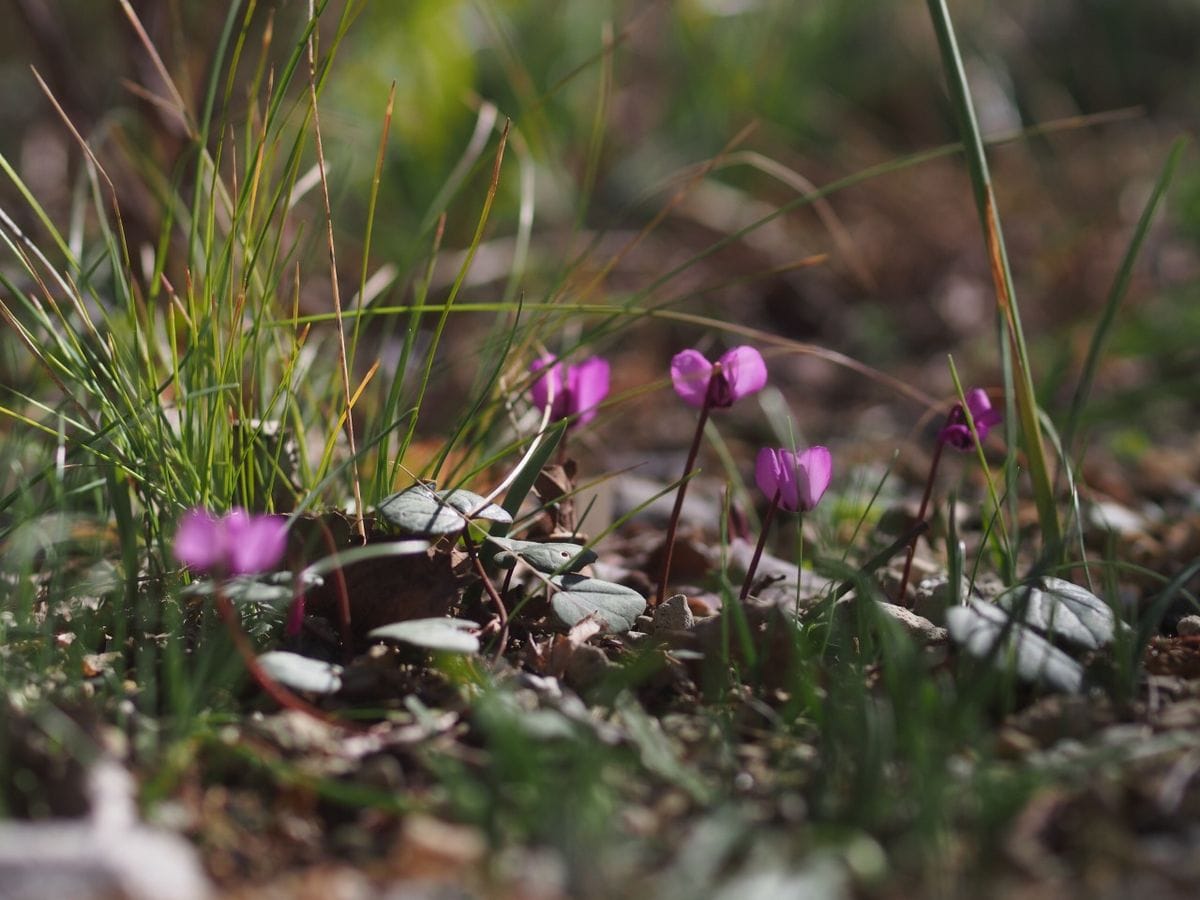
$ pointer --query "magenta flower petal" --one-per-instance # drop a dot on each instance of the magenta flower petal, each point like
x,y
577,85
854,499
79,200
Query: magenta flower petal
x,y
816,465
235,544
957,433
981,411
549,388
570,390
255,543
587,387
738,373
690,374
800,479
745,371
199,541
772,476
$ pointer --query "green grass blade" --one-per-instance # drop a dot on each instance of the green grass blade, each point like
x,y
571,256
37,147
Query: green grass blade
x,y
985,201
1116,294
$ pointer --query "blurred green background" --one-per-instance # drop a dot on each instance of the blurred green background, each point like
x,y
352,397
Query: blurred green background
x,y
613,102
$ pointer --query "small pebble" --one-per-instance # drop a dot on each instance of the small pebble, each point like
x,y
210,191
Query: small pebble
x,y
673,614
587,667
1188,626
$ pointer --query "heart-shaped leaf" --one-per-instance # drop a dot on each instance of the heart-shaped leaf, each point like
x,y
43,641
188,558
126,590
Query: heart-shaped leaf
x,y
548,557
302,673
453,635
247,589
420,509
980,627
578,597
1061,609
474,506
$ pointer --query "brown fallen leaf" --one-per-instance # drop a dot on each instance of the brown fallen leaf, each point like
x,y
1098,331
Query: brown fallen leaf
x,y
553,488
382,590
564,646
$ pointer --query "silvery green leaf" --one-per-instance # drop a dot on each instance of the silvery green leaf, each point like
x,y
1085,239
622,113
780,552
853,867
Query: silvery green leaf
x,y
302,673
313,574
578,597
979,627
474,506
248,590
245,589
418,510
308,578
547,557
546,725
1061,609
453,635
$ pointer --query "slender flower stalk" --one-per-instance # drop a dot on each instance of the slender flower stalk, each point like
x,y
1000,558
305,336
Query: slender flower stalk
x,y
795,482
239,543
707,386
269,685
489,587
959,431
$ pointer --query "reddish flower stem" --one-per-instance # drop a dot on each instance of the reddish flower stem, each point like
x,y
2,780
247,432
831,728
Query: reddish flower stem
x,y
683,485
490,587
912,544
758,548
343,594
269,685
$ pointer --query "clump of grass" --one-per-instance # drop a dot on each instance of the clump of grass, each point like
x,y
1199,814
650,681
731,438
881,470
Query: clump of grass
x,y
198,380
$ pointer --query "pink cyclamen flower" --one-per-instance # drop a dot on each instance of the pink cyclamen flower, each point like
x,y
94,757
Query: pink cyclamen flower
x,y
237,543
957,433
570,390
700,383
800,479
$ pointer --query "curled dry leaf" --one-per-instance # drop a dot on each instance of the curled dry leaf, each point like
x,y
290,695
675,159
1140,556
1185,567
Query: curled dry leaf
x,y
388,589
563,646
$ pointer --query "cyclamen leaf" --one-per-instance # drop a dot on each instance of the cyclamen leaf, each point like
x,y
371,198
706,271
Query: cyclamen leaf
x,y
547,557
452,635
1062,609
418,510
578,597
246,589
979,627
302,673
421,510
471,504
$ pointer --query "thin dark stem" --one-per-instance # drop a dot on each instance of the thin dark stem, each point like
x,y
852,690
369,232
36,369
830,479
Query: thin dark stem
x,y
269,685
758,548
912,545
674,522
490,587
343,594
